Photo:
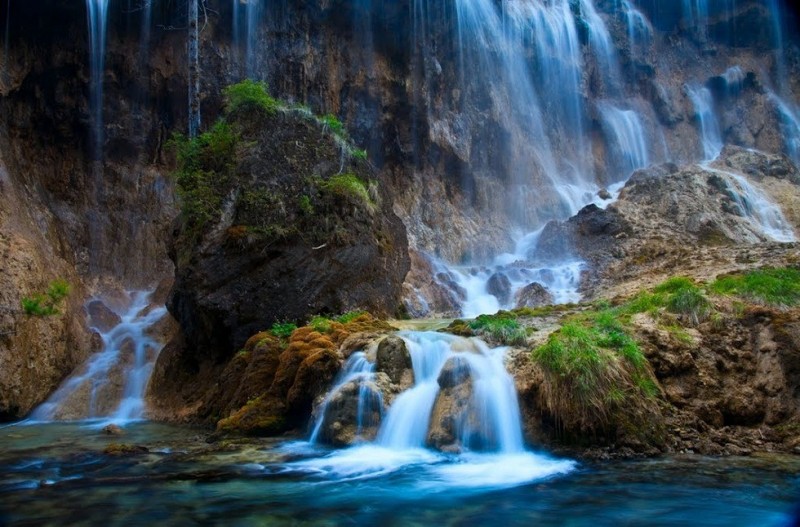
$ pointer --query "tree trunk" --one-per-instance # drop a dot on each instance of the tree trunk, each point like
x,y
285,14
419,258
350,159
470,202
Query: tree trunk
x,y
194,71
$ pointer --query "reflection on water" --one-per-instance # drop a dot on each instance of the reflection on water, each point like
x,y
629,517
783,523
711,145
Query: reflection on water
x,y
57,474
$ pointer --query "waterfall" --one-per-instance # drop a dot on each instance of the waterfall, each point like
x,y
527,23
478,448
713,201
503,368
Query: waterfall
x,y
695,15
624,130
763,214
246,23
489,431
112,383
710,135
640,32
361,371
97,17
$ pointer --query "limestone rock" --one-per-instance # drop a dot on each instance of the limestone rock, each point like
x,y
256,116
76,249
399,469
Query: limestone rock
x,y
394,359
533,295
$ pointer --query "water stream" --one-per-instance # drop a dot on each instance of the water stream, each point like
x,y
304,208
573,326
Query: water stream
x,y
111,384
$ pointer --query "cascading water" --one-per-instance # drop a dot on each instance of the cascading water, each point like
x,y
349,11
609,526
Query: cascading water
x,y
97,17
703,102
362,372
247,17
628,137
112,383
765,216
488,433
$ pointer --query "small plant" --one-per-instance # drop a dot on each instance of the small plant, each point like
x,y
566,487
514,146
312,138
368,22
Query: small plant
x,y
684,297
332,123
304,203
347,186
283,330
249,95
43,305
320,324
349,316
501,327
771,286
359,153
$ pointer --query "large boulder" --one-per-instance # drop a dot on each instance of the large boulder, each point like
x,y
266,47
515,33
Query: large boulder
x,y
533,295
454,412
304,227
352,413
394,359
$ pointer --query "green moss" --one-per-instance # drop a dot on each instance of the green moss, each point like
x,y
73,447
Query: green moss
x,y
283,330
46,304
347,186
305,206
349,316
250,95
771,286
359,154
320,324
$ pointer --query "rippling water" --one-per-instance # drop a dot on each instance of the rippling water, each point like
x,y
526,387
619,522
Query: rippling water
x,y
57,474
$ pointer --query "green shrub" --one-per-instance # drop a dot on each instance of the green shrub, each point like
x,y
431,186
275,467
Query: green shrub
x,y
283,330
771,286
42,305
360,154
304,203
249,95
205,168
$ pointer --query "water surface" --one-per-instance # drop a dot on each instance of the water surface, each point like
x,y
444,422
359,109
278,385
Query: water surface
x,y
57,474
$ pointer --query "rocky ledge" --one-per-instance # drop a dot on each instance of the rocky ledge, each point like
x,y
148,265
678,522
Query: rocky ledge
x,y
282,218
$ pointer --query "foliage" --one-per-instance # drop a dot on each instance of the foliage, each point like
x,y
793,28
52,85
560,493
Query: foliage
x,y
283,330
684,297
250,95
332,123
359,153
501,327
348,186
46,304
349,316
320,324
594,369
304,203
205,167
771,286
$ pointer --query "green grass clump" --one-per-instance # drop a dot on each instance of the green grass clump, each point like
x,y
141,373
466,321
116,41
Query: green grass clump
x,y
683,296
320,324
283,330
360,154
349,316
44,305
501,327
249,95
593,370
770,286
347,186
333,124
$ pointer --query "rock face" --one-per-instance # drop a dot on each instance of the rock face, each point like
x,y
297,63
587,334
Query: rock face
x,y
666,216
533,295
307,230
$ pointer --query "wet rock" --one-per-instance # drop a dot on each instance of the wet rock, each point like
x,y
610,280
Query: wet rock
x,y
454,414
122,449
533,295
101,316
499,286
112,430
394,359
353,413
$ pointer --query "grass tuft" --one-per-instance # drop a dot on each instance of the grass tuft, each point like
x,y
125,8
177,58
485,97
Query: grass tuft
x,y
770,286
